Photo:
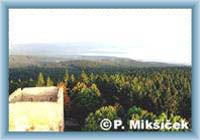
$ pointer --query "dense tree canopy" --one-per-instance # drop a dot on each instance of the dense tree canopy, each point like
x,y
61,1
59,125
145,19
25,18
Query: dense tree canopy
x,y
84,99
94,119
145,92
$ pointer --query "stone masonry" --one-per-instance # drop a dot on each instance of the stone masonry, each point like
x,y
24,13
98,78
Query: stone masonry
x,y
36,109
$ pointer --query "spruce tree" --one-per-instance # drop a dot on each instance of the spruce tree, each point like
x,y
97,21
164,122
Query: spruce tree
x,y
49,82
84,77
66,76
40,81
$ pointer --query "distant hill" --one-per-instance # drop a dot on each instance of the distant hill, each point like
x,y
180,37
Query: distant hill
x,y
59,49
62,54
84,61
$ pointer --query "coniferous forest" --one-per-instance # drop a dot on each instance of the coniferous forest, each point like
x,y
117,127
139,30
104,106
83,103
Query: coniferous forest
x,y
93,92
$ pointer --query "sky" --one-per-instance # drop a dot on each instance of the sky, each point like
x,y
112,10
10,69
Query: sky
x,y
160,35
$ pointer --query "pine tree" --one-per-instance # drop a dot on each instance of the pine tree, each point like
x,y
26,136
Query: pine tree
x,y
66,77
49,82
92,77
72,78
40,81
71,81
84,77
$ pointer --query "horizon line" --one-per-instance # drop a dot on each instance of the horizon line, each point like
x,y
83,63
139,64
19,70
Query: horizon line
x,y
81,55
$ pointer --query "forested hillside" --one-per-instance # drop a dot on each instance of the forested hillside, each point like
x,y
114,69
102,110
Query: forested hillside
x,y
19,61
96,90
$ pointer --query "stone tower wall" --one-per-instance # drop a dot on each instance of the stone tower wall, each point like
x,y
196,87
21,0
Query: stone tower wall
x,y
39,114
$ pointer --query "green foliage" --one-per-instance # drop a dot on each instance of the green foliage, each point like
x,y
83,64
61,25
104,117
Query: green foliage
x,y
66,76
84,77
49,82
136,113
185,106
40,81
84,99
135,93
172,118
72,81
94,119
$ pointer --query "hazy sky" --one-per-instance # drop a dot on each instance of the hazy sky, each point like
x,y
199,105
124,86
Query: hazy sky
x,y
162,35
